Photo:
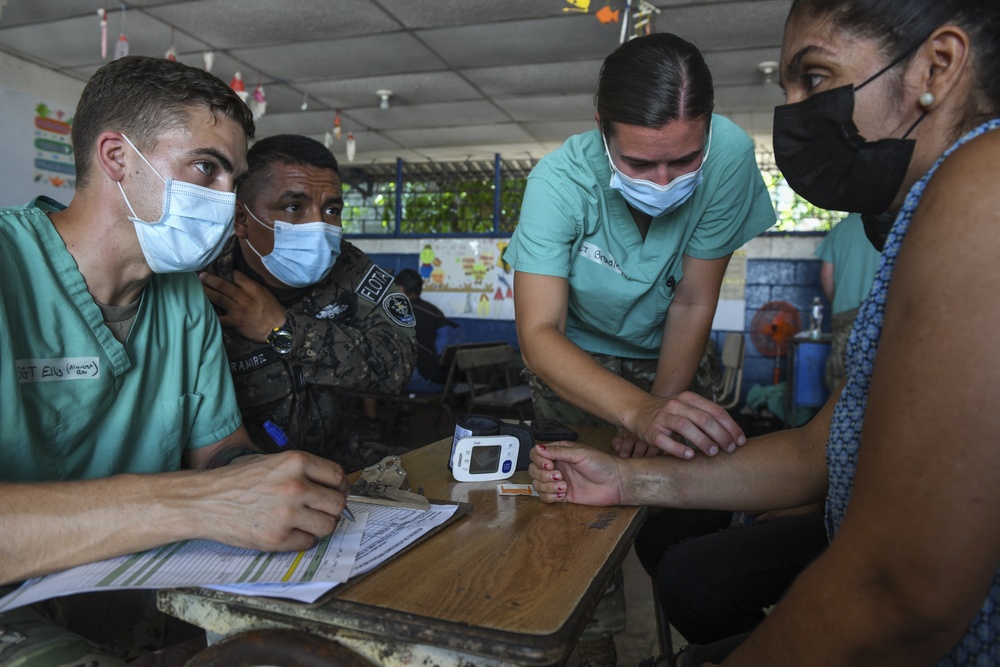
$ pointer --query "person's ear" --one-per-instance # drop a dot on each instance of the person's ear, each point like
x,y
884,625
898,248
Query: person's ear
x,y
110,155
240,223
945,57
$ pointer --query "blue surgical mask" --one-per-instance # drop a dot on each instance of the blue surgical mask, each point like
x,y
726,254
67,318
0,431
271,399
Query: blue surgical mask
x,y
652,198
191,231
303,254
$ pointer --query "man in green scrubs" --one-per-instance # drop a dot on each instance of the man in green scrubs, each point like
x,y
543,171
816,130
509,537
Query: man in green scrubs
x,y
119,420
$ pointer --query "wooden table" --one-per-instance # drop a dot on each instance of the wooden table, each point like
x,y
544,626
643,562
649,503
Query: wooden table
x,y
514,582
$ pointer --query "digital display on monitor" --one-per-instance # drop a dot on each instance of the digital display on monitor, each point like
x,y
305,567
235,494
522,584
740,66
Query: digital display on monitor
x,y
484,459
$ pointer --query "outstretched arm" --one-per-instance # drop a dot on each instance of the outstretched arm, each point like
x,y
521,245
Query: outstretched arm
x,y
781,470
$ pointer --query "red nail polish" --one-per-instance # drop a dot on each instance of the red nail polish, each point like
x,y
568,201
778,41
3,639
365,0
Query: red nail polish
x,y
541,447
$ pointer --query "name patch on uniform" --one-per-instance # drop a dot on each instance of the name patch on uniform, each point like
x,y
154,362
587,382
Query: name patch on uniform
x,y
252,362
375,285
51,370
595,254
400,310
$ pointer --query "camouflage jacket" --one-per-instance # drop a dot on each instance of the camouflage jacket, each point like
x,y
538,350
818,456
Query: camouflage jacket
x,y
353,334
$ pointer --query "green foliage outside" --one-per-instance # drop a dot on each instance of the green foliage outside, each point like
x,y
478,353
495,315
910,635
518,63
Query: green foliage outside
x,y
453,206
433,208
794,213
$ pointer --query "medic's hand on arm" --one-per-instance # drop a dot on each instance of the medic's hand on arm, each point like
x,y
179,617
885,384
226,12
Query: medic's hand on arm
x,y
281,502
680,413
781,470
541,305
918,548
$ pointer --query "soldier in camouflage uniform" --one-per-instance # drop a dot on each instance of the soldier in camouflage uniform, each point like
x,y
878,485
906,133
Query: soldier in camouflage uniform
x,y
333,324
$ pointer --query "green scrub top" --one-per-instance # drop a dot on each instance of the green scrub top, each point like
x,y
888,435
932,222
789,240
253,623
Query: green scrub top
x,y
574,226
77,403
854,260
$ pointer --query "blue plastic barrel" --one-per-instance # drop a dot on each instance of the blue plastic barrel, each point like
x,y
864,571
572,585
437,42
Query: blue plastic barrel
x,y
810,367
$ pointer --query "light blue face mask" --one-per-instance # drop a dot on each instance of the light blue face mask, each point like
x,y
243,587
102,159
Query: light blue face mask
x,y
191,231
303,254
652,198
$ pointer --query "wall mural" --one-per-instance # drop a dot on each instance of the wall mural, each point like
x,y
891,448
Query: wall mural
x,y
37,150
467,277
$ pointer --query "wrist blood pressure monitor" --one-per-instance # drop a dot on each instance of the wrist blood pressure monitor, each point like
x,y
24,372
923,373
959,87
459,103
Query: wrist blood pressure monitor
x,y
486,449
484,458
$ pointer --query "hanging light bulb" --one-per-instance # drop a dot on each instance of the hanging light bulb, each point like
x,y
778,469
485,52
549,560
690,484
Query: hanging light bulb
x,y
767,69
351,146
336,125
385,95
305,102
208,59
327,140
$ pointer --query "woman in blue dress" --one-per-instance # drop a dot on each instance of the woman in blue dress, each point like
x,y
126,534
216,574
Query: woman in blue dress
x,y
891,106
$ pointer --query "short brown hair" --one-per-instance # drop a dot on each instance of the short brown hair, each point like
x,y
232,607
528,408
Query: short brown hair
x,y
142,97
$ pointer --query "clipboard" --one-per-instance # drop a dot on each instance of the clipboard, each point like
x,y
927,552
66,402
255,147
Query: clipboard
x,y
463,510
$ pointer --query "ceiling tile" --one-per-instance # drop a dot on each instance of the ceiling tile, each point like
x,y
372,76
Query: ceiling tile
x,y
547,108
240,23
342,58
421,88
430,115
536,78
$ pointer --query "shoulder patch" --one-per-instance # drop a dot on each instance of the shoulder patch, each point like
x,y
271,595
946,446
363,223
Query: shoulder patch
x,y
399,310
375,285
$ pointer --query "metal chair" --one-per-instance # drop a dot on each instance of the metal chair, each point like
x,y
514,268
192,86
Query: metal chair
x,y
492,364
454,393
727,392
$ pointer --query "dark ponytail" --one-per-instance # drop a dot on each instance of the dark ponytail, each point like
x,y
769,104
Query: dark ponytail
x,y
901,25
652,80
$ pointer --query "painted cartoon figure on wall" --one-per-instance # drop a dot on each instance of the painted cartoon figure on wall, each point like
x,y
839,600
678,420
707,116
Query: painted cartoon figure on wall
x,y
468,278
426,261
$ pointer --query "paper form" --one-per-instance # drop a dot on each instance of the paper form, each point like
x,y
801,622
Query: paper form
x,y
387,532
378,534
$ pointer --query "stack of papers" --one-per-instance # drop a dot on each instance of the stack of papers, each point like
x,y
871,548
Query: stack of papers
x,y
354,548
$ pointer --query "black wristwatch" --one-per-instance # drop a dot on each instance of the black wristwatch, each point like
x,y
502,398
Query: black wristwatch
x,y
280,339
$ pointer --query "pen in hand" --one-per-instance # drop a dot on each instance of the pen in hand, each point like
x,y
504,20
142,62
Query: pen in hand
x,y
280,439
276,433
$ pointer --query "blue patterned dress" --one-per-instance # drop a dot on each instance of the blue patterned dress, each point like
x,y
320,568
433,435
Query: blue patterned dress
x,y
979,646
